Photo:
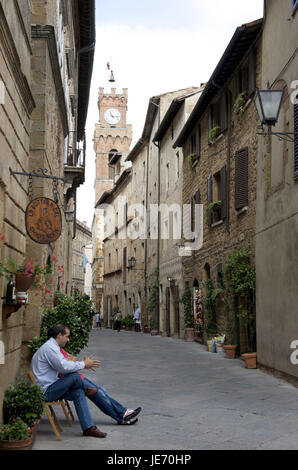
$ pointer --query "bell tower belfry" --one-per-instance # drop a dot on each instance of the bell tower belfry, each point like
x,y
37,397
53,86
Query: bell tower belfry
x,y
112,137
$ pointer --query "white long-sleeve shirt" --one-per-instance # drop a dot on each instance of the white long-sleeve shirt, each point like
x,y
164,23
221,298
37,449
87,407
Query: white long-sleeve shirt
x,y
48,362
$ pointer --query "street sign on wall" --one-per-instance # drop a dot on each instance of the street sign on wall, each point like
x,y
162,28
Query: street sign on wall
x,y
43,220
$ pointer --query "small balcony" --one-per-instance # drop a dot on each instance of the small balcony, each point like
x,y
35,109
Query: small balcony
x,y
74,168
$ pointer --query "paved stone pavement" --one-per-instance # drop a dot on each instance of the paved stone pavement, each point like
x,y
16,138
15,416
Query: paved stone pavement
x,y
191,399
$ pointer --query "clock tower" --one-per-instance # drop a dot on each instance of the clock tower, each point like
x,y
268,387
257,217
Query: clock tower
x,y
112,138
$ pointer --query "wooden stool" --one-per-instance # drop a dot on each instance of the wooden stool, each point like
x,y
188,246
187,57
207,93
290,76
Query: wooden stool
x,y
51,413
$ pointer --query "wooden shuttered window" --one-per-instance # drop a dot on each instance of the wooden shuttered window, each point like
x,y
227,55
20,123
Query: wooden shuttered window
x,y
198,141
296,141
241,179
209,200
125,213
223,112
223,191
198,197
192,224
210,121
124,264
252,66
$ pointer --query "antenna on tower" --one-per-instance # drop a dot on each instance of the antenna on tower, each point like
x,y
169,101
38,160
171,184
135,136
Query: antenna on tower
x,y
111,77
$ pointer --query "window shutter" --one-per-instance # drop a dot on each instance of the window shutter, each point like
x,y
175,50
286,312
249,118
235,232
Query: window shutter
x,y
191,214
241,179
209,200
223,190
296,141
223,112
198,197
210,121
198,141
240,81
252,72
124,264
125,213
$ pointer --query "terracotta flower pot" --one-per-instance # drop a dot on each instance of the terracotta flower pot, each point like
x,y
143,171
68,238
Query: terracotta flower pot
x,y
251,360
23,282
33,430
230,350
26,444
189,334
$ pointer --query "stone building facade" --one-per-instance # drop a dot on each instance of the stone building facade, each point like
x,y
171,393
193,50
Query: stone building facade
x,y
82,240
116,247
46,64
16,106
277,197
223,169
149,167
171,272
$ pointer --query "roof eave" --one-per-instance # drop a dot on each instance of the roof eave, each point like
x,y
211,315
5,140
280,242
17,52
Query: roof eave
x,y
212,86
86,60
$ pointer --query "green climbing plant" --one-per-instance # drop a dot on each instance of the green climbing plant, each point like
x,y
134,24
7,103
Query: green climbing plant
x,y
186,300
209,307
240,281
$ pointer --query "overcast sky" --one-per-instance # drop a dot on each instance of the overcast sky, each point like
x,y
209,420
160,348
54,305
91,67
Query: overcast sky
x,y
156,46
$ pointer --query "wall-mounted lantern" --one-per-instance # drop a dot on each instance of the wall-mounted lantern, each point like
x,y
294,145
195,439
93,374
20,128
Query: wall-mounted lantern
x,y
268,104
69,216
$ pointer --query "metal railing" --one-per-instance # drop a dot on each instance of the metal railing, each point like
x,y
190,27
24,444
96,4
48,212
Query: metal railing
x,y
76,151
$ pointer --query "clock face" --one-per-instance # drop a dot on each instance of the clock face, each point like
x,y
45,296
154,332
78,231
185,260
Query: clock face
x,y
112,116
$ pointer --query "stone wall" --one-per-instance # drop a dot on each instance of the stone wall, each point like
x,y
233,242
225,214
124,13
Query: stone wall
x,y
15,110
277,196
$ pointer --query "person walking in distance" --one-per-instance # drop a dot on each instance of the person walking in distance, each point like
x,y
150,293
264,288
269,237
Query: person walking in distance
x,y
137,319
118,322
98,320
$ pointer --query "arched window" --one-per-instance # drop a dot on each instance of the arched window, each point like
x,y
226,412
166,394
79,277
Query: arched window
x,y
207,272
112,154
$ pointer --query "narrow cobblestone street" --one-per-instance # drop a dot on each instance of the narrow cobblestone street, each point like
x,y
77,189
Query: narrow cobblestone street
x,y
191,399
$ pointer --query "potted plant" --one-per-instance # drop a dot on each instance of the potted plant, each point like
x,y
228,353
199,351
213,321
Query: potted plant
x,y
240,102
192,158
25,401
26,273
214,133
15,436
240,276
76,312
129,322
188,313
215,206
230,332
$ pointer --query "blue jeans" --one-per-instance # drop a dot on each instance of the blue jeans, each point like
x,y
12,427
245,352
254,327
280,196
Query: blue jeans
x,y
105,403
70,387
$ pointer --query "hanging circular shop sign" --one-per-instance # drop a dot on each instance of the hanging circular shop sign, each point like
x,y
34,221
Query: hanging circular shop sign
x,y
43,220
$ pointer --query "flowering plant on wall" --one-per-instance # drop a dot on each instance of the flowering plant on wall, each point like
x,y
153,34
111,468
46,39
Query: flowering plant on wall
x,y
27,267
